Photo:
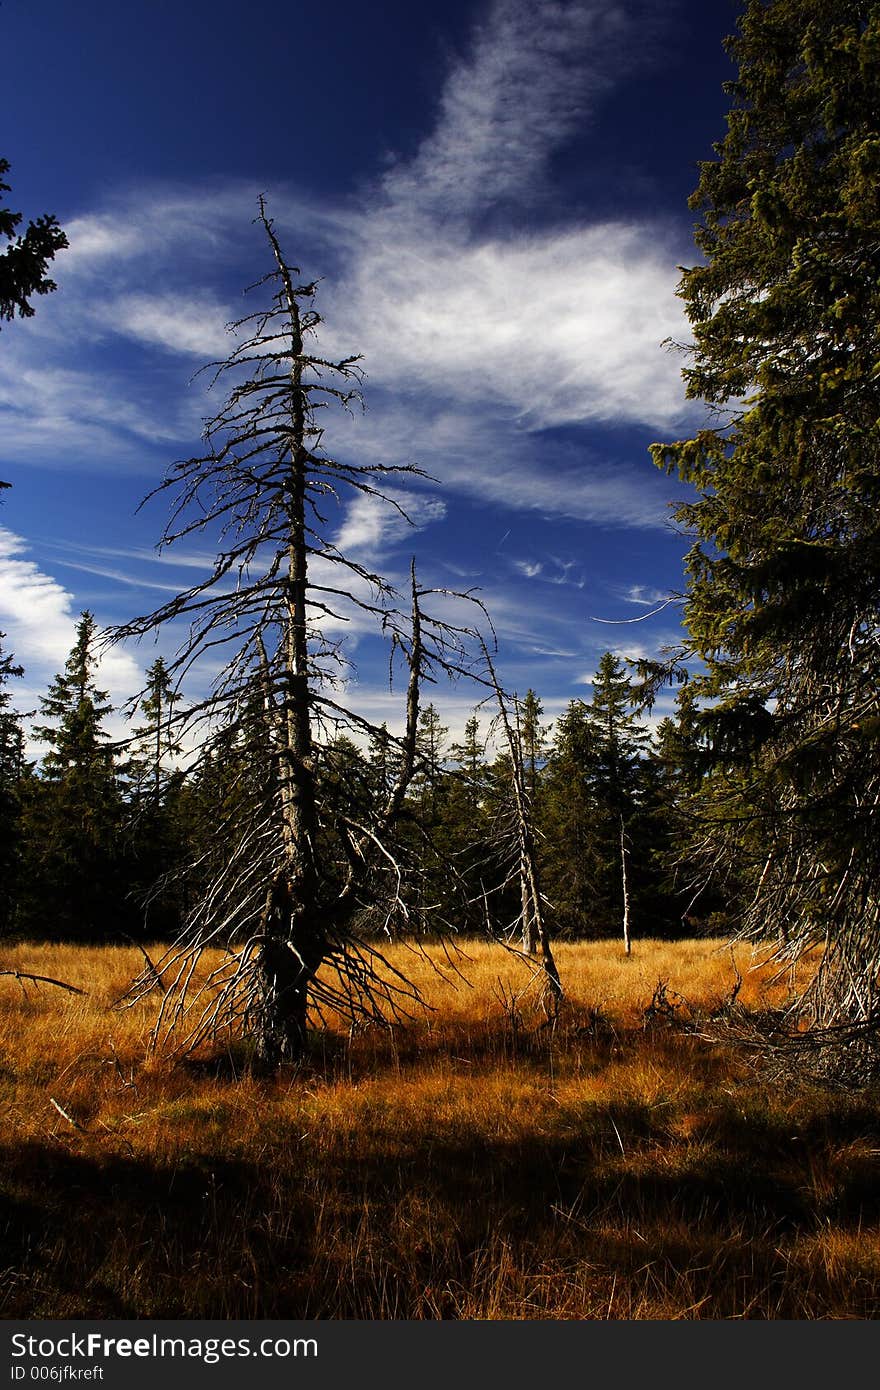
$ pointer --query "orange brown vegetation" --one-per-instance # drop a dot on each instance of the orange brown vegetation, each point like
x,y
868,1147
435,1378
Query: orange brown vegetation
x,y
473,1163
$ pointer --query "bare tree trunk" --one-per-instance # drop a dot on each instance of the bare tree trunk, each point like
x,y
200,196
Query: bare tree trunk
x,y
529,925
627,946
292,949
538,923
280,1032
535,932
294,943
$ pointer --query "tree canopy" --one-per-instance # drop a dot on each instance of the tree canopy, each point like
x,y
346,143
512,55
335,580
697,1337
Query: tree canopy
x,y
24,264
783,603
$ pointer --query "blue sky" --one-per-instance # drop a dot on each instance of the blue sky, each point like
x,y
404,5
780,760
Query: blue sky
x,y
495,196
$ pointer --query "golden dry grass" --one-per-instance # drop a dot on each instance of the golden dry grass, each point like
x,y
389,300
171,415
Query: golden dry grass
x,y
473,1163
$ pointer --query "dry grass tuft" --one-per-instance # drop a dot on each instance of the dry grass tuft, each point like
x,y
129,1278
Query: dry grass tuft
x,y
475,1163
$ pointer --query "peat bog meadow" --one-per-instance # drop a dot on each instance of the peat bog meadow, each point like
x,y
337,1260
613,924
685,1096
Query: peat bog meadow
x,y
631,1159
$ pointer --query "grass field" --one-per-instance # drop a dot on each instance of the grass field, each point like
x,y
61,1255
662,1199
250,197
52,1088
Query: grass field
x,y
474,1163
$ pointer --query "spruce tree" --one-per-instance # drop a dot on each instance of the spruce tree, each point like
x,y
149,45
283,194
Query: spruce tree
x,y
674,818
424,834
75,885
382,762
156,831
463,834
155,746
430,746
469,757
24,262
77,741
532,737
568,822
783,605
617,788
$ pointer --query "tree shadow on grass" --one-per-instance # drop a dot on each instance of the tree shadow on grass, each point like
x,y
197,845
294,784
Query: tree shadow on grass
x,y
332,1231
110,1236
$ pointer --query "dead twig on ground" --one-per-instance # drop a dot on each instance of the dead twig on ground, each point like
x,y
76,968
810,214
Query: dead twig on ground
x,y
43,980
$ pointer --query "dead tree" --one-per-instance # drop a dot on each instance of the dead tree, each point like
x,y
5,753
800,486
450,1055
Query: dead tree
x,y
532,921
624,888
287,918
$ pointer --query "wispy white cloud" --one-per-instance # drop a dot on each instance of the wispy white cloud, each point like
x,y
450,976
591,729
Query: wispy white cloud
x,y
560,325
185,559
373,525
530,568
532,74
150,221
38,615
46,403
180,324
96,416
643,595
98,239
119,576
555,329
567,572
630,646
616,494
478,453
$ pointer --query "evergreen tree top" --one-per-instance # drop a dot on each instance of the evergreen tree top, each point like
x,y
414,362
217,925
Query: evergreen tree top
x,y
76,706
786,323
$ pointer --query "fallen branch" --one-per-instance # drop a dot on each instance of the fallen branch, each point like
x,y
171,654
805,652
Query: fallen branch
x,y
151,968
69,1118
43,980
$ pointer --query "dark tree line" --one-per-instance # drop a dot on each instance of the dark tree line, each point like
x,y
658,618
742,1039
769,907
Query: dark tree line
x,y
104,843
89,836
